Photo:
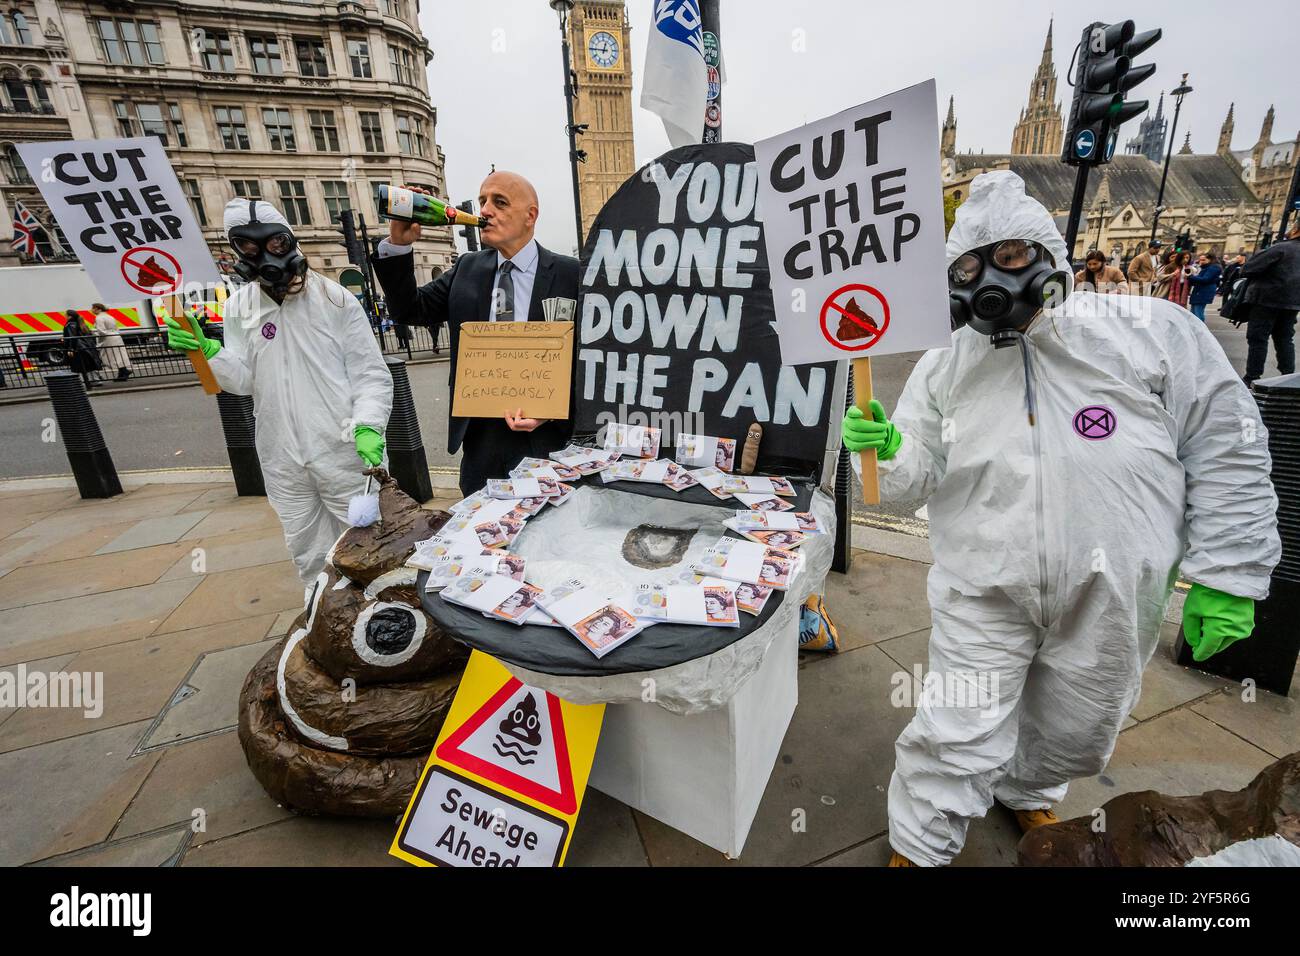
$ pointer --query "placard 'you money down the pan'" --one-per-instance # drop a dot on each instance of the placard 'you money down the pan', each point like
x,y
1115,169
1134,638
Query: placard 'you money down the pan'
x,y
676,325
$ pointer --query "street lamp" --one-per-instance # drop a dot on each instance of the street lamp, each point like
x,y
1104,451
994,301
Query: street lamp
x,y
562,9
1182,90
1102,207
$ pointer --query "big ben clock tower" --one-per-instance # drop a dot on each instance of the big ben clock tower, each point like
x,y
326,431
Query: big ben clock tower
x,y
599,37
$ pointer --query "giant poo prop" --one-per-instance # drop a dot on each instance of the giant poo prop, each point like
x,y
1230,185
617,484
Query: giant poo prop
x,y
1152,829
340,716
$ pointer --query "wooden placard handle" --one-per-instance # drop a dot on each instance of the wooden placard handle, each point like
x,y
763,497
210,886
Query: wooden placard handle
x,y
197,359
862,398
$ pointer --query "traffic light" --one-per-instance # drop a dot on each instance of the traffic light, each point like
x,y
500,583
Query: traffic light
x,y
348,230
1104,73
469,232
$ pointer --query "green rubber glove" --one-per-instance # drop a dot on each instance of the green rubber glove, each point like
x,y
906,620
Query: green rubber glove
x,y
1213,620
878,432
370,445
182,340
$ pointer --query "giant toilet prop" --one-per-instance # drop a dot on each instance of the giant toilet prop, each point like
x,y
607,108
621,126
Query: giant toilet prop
x,y
340,716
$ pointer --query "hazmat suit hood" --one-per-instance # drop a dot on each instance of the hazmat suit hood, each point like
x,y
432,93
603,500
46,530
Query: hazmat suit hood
x,y
237,214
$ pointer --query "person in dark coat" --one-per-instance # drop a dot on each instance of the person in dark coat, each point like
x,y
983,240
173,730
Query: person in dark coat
x,y
1230,273
79,348
1204,283
1274,299
507,281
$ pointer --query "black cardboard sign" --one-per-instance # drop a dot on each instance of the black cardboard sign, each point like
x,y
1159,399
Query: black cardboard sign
x,y
676,325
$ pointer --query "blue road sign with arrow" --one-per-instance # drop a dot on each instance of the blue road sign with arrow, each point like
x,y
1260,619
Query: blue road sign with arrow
x,y
1085,143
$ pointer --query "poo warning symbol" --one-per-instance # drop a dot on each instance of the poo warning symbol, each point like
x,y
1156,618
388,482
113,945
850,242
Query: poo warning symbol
x,y
506,778
854,317
151,271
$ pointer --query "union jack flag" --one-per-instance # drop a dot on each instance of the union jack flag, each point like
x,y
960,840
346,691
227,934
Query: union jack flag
x,y
25,227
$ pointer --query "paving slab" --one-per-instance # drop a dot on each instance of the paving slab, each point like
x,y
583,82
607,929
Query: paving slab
x,y
1166,684
151,849
36,584
229,520
910,650
230,595
303,841
605,835
208,775
57,627
66,795
1270,722
100,511
150,531
208,699
244,549
834,765
1178,753
136,679
864,612
45,666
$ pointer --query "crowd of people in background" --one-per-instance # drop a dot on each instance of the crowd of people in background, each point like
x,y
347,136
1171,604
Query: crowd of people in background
x,y
1268,302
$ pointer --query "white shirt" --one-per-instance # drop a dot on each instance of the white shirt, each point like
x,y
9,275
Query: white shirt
x,y
524,275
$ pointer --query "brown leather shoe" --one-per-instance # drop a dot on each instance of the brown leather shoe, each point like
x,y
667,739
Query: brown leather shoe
x,y
897,859
1033,819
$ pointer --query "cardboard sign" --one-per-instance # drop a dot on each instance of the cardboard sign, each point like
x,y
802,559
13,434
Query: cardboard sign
x,y
853,221
676,322
502,366
122,209
506,778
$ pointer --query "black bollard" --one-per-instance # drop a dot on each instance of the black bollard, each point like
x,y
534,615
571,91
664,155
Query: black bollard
x,y
240,428
406,460
88,455
1268,656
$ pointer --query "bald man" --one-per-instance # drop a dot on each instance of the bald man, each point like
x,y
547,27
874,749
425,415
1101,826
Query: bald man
x,y
506,282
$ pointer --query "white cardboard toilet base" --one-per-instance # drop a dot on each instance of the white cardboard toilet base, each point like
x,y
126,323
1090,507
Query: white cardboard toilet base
x,y
705,773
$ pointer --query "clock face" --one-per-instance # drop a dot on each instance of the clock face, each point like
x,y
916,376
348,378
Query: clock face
x,y
603,49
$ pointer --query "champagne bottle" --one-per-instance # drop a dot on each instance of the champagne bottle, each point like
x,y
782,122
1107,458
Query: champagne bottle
x,y
409,206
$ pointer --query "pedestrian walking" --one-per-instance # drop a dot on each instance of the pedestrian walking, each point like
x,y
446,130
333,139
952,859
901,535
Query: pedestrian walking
x,y
1171,278
112,348
1274,298
1205,283
1142,270
79,349
1098,276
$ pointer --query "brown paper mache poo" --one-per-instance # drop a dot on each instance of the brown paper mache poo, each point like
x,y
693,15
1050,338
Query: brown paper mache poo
x,y
1147,828
340,716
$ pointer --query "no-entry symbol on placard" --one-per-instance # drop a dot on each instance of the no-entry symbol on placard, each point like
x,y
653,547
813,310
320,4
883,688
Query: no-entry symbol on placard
x,y
855,317
151,270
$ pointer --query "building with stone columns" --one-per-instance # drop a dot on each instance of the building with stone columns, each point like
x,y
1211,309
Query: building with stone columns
x,y
1039,129
309,104
600,37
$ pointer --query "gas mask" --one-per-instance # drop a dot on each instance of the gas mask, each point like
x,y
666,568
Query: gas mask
x,y
268,252
998,288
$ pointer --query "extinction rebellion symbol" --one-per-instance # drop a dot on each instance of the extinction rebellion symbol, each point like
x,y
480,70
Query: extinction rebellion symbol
x,y
1094,422
268,330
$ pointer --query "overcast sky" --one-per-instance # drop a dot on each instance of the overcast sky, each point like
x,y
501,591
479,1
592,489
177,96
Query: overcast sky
x,y
496,77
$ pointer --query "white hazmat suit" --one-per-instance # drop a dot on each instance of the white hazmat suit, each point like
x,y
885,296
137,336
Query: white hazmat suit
x,y
1056,546
315,372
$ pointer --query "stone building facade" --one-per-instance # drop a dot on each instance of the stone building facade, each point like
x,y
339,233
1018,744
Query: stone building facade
x,y
1267,166
309,104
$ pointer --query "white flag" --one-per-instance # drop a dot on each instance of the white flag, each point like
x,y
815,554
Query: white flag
x,y
676,77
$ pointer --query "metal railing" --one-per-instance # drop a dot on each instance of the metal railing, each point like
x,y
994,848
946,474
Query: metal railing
x,y
26,360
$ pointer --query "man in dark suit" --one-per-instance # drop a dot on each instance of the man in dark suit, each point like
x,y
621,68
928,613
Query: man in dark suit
x,y
507,281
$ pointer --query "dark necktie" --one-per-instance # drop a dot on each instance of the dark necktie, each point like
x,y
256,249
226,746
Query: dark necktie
x,y
504,296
